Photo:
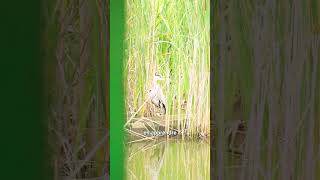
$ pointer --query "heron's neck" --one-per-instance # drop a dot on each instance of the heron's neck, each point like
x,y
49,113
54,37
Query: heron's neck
x,y
155,82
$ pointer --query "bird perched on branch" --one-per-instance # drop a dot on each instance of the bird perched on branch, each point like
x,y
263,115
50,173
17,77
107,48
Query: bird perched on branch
x,y
156,95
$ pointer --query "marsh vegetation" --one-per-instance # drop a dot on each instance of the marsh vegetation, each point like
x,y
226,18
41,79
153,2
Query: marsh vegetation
x,y
265,58
170,38
77,90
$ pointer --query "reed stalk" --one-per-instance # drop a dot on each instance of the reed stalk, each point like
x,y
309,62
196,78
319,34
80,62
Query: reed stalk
x,y
170,38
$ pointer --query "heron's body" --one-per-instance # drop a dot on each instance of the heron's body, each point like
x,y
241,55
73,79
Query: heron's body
x,y
156,95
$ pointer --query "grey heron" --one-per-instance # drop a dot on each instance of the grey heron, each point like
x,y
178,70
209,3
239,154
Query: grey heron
x,y
156,95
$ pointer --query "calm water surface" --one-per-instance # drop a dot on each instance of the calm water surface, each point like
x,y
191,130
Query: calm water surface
x,y
168,159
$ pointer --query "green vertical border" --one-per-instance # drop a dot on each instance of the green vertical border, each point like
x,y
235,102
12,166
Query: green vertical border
x,y
22,109
116,90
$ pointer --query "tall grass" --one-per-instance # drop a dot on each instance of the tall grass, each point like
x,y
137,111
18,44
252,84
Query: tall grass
x,y
266,52
170,38
75,54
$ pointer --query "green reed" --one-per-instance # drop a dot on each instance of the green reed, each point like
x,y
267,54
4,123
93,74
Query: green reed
x,y
171,38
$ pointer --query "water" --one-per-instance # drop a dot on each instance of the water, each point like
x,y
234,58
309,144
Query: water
x,y
168,159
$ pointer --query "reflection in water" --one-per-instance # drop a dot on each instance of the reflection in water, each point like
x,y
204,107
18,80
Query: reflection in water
x,y
168,159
